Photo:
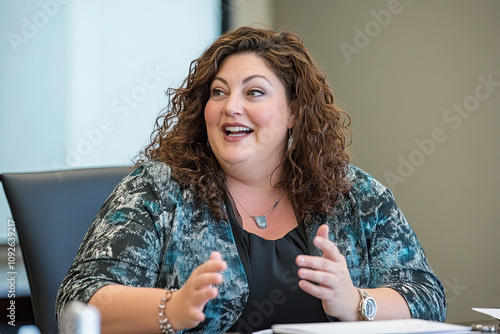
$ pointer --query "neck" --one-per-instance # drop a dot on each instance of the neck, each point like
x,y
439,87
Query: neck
x,y
255,187
257,195
255,177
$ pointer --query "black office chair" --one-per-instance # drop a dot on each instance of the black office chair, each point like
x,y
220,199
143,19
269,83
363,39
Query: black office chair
x,y
52,212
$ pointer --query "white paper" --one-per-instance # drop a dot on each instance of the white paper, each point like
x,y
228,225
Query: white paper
x,y
372,327
492,312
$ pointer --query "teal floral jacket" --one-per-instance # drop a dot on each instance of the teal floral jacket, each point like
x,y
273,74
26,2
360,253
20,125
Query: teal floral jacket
x,y
151,232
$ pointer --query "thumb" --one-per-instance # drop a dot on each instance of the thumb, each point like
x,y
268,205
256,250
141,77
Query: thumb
x,y
215,256
322,231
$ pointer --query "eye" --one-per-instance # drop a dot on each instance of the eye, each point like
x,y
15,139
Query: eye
x,y
256,92
216,92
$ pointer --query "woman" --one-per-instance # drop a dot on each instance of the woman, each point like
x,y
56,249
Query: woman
x,y
245,203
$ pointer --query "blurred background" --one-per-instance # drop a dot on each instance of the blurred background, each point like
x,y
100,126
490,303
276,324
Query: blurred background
x,y
81,83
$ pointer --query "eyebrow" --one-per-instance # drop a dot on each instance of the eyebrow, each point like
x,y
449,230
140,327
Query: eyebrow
x,y
246,80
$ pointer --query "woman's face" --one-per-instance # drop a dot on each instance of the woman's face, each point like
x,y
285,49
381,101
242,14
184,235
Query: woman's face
x,y
248,113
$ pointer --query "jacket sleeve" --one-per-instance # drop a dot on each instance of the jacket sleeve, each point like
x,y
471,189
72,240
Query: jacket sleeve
x,y
398,261
122,246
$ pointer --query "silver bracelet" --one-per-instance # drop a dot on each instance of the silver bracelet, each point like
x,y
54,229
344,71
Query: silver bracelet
x,y
165,325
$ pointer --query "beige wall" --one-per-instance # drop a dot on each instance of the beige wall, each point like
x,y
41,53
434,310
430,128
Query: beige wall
x,y
413,81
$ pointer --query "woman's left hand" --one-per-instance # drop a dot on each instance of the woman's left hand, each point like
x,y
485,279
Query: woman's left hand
x,y
327,278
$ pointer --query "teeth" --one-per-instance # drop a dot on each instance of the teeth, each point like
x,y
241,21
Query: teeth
x,y
237,129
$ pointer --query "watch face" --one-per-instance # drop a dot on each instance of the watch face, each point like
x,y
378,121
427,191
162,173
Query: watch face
x,y
370,308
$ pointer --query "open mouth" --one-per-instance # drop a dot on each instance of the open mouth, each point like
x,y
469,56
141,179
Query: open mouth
x,y
236,131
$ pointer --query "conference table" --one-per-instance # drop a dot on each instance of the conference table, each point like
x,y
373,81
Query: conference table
x,y
407,326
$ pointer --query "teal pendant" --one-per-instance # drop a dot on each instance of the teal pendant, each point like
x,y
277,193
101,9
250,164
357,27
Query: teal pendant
x,y
261,221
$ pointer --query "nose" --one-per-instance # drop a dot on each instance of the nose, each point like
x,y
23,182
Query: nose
x,y
234,105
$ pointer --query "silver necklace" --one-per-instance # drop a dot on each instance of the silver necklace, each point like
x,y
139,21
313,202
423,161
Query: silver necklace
x,y
261,221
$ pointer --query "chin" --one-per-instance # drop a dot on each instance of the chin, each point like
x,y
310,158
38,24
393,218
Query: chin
x,y
232,160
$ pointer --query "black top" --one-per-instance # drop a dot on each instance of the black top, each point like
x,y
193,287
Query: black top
x,y
275,297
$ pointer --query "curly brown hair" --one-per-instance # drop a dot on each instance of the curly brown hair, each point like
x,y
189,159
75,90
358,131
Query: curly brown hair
x,y
315,166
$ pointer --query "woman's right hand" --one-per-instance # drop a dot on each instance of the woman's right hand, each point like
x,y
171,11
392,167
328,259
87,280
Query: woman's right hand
x,y
185,308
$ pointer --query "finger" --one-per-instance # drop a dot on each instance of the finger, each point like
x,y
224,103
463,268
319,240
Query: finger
x,y
316,262
202,296
211,266
323,242
215,256
206,279
314,290
323,231
319,277
329,249
196,314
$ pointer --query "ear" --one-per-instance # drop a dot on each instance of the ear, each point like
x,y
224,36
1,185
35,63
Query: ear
x,y
293,108
290,121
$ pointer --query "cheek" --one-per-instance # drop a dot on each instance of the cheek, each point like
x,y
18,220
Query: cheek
x,y
211,115
275,118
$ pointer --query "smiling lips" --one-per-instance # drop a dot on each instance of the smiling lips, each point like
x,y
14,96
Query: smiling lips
x,y
236,131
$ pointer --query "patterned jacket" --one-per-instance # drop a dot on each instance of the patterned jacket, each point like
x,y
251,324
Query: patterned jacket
x,y
151,232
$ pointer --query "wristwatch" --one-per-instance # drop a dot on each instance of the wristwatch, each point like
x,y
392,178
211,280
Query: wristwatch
x,y
367,306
